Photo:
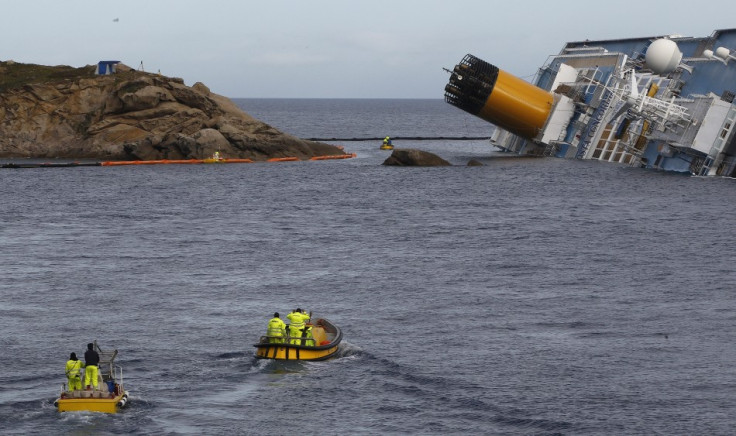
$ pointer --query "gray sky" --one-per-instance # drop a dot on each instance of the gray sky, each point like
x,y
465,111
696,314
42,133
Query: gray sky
x,y
330,48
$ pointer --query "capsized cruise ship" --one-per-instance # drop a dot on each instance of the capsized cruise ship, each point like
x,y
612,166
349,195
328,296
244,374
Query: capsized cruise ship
x,y
664,102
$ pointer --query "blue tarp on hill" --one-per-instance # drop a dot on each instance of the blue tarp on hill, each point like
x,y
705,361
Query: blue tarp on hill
x,y
106,67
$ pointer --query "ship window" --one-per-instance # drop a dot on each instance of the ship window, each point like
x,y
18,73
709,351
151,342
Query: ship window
x,y
658,161
725,130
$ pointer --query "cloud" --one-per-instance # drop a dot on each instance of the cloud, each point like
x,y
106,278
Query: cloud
x,y
376,42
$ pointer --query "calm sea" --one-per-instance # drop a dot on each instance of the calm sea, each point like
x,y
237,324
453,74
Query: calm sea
x,y
523,297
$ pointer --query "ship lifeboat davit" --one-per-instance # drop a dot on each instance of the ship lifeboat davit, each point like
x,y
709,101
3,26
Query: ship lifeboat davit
x,y
498,97
323,345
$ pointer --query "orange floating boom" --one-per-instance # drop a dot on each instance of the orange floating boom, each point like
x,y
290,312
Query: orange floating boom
x,y
336,156
202,161
170,161
282,159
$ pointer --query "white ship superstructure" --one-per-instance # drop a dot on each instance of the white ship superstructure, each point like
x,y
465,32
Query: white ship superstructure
x,y
662,102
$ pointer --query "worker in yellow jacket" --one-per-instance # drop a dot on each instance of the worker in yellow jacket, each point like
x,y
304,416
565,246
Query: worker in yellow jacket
x,y
276,330
73,366
91,362
309,341
307,331
297,320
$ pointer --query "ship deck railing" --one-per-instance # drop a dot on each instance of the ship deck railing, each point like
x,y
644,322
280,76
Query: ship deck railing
x,y
286,340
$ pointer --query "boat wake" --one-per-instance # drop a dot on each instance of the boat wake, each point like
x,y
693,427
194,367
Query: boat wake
x,y
461,400
232,355
346,349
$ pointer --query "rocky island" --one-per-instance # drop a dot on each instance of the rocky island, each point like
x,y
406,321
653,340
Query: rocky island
x,y
75,113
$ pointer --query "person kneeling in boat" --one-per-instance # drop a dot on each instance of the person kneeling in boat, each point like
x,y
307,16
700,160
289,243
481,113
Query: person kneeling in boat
x,y
298,319
73,365
91,361
276,330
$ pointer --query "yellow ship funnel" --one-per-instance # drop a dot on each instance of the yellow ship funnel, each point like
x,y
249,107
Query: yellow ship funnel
x,y
498,97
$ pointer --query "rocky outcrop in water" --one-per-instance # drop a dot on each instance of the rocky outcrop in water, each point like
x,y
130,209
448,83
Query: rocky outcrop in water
x,y
62,112
412,157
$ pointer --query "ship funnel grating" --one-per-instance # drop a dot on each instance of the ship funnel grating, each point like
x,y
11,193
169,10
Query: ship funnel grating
x,y
471,82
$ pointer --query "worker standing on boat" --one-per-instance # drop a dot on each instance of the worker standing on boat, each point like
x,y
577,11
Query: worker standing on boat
x,y
276,330
73,365
296,327
307,330
91,361
387,141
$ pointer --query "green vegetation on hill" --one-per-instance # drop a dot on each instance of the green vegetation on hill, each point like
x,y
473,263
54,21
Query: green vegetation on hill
x,y
15,75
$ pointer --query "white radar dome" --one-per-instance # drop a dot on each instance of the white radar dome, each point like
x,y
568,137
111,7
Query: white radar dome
x,y
663,56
